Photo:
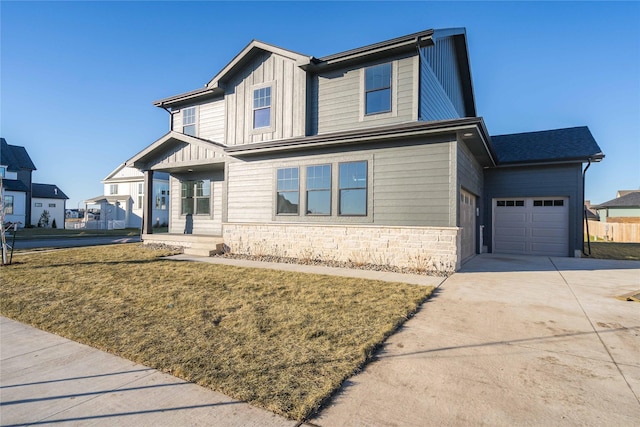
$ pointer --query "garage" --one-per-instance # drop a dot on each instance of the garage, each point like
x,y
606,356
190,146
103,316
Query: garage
x,y
531,226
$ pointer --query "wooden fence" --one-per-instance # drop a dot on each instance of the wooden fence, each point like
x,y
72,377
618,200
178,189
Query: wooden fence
x,y
614,231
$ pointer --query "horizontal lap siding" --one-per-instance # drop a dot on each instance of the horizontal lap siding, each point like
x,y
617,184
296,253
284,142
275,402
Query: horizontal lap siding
x,y
340,94
250,192
470,173
411,185
211,121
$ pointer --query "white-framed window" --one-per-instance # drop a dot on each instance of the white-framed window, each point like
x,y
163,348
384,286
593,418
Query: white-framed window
x,y
52,205
262,107
352,188
38,205
195,197
8,205
377,89
189,121
2,171
162,195
288,191
113,189
318,186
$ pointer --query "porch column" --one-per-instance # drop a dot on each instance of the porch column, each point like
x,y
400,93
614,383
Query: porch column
x,y
147,213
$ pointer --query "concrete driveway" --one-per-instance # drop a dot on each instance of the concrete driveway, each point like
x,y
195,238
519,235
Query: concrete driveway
x,y
509,340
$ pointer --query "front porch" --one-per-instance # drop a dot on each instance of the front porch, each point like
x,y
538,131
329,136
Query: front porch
x,y
193,244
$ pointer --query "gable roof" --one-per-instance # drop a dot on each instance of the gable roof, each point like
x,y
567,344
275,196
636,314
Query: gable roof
x,y
395,46
14,157
629,200
558,145
47,191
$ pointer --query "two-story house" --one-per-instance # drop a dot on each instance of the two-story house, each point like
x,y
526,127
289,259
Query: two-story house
x,y
123,198
25,201
373,155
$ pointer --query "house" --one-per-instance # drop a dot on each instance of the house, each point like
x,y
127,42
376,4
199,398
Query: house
x,y
24,200
123,197
624,208
48,205
374,155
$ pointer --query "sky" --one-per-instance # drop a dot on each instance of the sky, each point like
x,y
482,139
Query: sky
x,y
77,79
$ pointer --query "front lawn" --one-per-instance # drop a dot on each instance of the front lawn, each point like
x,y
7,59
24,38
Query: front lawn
x,y
37,232
612,250
283,341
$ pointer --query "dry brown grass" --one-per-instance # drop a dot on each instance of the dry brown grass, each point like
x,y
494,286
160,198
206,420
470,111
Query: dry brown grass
x,y
283,341
613,250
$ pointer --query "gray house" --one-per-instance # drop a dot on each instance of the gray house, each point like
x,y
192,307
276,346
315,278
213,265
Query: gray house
x,y
373,155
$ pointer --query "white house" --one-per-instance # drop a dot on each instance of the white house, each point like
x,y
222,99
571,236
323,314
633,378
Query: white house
x,y
123,198
47,198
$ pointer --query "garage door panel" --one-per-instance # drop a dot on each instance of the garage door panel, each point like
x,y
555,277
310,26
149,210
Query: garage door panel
x,y
536,226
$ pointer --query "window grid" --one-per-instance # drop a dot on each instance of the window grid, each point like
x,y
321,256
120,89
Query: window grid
x,y
288,191
189,121
195,197
8,205
318,190
262,107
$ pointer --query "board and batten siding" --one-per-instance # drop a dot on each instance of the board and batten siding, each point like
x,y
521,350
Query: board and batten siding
x,y
537,181
410,186
337,98
189,155
441,95
210,119
288,100
210,225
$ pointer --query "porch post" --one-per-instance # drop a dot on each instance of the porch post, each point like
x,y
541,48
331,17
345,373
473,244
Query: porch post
x,y
147,213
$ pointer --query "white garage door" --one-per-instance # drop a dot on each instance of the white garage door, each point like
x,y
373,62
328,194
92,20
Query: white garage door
x,y
533,226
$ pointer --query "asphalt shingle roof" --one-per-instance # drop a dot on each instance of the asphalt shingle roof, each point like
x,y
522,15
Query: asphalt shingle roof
x,y
628,200
47,191
14,185
15,157
550,145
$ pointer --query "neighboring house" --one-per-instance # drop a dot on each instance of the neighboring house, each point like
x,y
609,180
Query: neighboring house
x,y
25,200
49,198
624,208
589,211
124,194
373,155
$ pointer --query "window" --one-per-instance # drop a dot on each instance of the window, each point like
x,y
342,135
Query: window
x,y
378,89
538,203
2,171
262,107
319,190
52,205
510,203
189,121
162,193
8,205
195,197
38,205
140,194
288,192
113,189
352,191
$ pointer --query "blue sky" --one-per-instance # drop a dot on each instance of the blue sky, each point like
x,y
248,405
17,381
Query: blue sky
x,y
78,78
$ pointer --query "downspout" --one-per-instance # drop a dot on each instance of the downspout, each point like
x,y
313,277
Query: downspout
x,y
170,116
584,211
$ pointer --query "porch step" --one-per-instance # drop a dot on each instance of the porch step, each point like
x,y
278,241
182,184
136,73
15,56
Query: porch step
x,y
192,244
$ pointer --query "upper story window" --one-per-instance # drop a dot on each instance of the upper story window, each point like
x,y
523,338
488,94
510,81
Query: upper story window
x,y
352,191
140,195
113,189
189,121
288,194
2,170
378,89
262,107
319,190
